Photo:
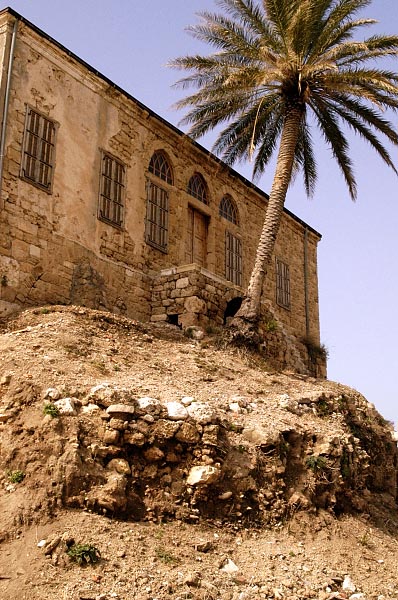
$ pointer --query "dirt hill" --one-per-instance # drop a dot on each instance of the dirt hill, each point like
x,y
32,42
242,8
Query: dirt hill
x,y
188,469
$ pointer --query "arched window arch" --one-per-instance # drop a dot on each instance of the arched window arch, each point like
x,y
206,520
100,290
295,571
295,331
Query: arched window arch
x,y
228,210
160,166
198,189
157,211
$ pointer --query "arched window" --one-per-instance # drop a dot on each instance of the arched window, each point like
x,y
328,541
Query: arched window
x,y
198,189
228,210
233,258
160,166
157,211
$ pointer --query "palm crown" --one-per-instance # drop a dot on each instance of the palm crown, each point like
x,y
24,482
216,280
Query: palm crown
x,y
279,58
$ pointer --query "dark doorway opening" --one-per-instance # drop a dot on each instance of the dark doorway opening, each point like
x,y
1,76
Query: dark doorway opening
x,y
173,320
232,308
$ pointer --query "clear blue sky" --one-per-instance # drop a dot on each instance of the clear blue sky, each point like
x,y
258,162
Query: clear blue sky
x,y
130,41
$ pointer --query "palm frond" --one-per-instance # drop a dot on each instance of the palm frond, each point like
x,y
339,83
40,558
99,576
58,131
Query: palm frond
x,y
365,132
305,158
335,138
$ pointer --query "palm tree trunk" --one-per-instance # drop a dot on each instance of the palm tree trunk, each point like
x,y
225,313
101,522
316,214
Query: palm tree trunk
x,y
248,314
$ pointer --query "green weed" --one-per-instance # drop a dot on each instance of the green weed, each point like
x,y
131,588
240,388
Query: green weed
x,y
316,463
166,556
16,476
51,409
84,554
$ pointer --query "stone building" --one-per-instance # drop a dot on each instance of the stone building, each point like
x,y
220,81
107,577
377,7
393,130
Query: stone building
x,y
105,204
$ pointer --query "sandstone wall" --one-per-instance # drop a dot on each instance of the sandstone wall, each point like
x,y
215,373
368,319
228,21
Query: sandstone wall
x,y
54,249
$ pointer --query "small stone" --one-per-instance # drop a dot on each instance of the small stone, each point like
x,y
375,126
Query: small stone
x,y
188,434
204,546
103,395
201,412
51,544
66,406
118,424
192,579
210,435
348,585
90,409
225,496
154,454
147,405
111,436
120,465
135,438
176,411
6,379
121,411
148,418
203,475
52,394
229,566
187,400
165,429
86,595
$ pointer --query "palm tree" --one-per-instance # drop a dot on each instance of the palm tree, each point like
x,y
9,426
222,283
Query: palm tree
x,y
279,67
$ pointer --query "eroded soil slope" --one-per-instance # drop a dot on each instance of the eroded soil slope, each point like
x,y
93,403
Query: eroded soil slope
x,y
196,470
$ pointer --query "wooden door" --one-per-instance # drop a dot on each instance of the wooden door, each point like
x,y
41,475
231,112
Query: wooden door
x,y
196,241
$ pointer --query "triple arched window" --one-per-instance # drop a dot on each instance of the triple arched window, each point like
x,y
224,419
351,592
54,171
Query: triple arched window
x,y
157,213
233,244
198,189
228,210
160,166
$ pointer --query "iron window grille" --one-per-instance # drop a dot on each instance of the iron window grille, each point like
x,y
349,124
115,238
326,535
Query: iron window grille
x,y
112,190
197,188
228,210
38,155
282,284
157,217
159,166
233,259
157,212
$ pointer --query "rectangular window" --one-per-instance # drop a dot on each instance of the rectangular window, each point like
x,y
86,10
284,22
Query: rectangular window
x,y
38,150
157,216
112,190
233,259
282,284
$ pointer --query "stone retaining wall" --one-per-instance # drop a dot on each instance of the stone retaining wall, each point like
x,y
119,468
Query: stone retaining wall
x,y
191,296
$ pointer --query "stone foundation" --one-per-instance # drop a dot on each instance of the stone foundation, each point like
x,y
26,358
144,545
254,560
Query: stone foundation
x,y
191,296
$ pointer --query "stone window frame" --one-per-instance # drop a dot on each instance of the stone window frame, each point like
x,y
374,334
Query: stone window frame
x,y
228,209
198,188
158,201
112,190
38,149
233,258
283,288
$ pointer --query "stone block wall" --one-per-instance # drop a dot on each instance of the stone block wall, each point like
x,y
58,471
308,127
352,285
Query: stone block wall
x,y
191,296
55,249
